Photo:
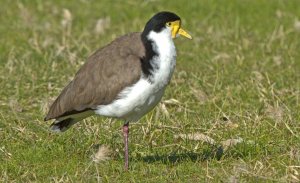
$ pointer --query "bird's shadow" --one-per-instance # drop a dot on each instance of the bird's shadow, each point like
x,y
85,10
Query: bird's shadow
x,y
173,158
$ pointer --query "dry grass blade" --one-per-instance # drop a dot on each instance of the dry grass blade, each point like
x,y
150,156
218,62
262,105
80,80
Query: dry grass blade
x,y
196,137
297,25
221,56
233,179
164,110
102,154
102,24
67,18
230,143
231,125
172,101
4,152
274,112
200,95
15,105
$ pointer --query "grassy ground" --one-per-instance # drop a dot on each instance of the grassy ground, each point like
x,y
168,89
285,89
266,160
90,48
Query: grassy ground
x,y
231,112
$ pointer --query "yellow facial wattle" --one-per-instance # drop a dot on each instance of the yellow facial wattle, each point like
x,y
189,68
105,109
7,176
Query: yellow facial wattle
x,y
176,29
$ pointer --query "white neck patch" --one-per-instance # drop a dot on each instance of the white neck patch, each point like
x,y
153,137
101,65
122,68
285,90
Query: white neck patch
x,y
165,62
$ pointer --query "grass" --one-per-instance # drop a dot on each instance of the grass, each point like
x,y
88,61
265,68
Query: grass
x,y
236,83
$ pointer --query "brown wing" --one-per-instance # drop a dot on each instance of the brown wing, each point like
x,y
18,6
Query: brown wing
x,y
102,77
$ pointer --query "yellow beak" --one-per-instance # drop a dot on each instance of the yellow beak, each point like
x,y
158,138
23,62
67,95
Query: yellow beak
x,y
184,33
177,30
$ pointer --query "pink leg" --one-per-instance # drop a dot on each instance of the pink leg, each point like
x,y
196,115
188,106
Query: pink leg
x,y
125,135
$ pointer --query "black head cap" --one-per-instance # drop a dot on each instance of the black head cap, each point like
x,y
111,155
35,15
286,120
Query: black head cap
x,y
159,20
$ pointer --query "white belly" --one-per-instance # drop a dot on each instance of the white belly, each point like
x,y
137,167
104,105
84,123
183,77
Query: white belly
x,y
134,102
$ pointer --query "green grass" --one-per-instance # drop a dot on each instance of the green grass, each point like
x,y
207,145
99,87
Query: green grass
x,y
238,78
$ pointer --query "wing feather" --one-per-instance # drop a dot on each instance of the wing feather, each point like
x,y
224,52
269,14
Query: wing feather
x,y
99,81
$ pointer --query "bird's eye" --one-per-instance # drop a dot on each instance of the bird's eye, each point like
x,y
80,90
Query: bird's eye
x,y
168,24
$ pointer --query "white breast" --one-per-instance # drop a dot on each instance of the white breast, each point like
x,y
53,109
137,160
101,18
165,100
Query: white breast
x,y
137,100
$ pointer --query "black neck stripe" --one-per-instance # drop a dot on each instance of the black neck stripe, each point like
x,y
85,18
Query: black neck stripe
x,y
156,24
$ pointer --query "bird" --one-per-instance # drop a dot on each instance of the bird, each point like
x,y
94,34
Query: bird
x,y
124,79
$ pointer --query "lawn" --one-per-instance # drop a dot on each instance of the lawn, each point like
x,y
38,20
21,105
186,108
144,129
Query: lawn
x,y
230,114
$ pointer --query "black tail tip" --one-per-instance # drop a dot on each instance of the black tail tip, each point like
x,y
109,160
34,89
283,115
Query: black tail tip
x,y
61,126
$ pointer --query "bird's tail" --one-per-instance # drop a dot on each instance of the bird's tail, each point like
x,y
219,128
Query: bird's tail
x,y
61,126
64,123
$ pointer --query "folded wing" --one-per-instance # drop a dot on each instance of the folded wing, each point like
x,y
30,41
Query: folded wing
x,y
99,81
